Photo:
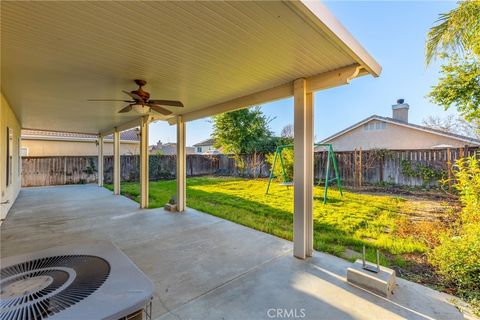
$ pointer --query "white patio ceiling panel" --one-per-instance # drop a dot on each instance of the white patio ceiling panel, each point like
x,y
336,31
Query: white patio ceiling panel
x,y
56,55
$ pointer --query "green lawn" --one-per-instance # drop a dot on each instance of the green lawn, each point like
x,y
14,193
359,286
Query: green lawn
x,y
344,222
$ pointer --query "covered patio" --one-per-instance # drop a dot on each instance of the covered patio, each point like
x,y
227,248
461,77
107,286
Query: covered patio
x,y
214,57
204,267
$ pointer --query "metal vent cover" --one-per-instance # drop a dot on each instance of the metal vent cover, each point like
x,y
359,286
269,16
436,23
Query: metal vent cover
x,y
93,280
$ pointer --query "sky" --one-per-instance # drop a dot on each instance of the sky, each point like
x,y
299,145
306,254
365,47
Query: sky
x,y
394,34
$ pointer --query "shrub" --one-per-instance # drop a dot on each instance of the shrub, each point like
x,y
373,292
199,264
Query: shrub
x,y
287,155
457,257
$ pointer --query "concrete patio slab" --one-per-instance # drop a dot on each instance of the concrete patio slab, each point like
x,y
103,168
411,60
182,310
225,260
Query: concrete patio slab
x,y
205,267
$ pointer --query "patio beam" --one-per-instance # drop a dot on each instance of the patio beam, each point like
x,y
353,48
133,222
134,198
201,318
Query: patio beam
x,y
144,175
122,127
303,170
100,160
317,82
116,162
181,165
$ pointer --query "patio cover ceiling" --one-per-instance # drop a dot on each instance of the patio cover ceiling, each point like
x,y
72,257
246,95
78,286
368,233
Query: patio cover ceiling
x,y
56,55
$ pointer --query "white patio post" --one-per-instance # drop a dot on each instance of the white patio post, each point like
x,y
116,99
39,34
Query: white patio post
x,y
100,160
303,171
181,165
144,178
116,162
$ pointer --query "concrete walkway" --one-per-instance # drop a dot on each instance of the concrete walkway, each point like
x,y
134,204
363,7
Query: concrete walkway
x,y
205,267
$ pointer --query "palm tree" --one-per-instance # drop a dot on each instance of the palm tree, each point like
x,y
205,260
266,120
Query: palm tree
x,y
457,31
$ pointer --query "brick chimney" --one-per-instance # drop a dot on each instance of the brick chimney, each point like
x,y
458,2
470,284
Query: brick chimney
x,y
400,110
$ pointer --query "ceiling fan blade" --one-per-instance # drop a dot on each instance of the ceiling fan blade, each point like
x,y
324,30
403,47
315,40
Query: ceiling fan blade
x,y
135,97
168,103
108,100
157,108
126,109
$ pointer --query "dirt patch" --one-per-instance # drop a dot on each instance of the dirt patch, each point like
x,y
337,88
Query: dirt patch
x,y
417,269
420,205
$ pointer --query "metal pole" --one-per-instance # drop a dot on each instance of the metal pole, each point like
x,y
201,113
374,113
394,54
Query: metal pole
x,y
272,169
327,178
335,168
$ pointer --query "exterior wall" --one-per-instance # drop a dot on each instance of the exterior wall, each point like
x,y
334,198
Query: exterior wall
x,y
171,149
394,137
40,148
9,193
204,149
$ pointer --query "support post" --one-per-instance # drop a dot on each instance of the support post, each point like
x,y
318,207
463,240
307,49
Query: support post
x,y
144,175
116,162
303,171
181,165
100,160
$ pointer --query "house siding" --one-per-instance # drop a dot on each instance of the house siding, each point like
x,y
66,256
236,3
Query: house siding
x,y
392,136
44,148
9,192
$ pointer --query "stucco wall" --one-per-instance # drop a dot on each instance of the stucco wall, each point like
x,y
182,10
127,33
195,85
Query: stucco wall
x,y
9,193
204,149
39,148
393,136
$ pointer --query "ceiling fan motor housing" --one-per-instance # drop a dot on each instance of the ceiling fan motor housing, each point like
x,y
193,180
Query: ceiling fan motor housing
x,y
91,280
143,94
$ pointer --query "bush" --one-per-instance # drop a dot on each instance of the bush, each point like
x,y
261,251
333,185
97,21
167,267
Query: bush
x,y
287,155
457,257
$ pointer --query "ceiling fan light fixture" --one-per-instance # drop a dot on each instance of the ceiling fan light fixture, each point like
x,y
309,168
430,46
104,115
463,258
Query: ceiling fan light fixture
x,y
140,108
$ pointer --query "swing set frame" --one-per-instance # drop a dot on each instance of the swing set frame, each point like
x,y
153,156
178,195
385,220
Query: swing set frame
x,y
330,159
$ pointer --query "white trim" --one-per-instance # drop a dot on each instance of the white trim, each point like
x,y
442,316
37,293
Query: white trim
x,y
325,80
341,133
318,14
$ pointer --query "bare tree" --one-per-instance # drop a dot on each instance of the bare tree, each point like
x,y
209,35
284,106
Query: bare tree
x,y
454,124
287,131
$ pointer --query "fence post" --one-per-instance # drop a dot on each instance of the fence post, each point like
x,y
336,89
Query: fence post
x,y
361,168
449,169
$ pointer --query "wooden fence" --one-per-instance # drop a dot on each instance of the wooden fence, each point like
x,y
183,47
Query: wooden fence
x,y
398,167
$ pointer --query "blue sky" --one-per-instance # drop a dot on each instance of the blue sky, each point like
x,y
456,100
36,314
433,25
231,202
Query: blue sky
x,y
394,33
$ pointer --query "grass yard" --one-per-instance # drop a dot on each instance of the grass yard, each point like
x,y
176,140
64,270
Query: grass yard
x,y
347,222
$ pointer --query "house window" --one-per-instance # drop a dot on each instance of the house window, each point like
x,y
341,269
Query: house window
x,y
9,156
374,125
199,149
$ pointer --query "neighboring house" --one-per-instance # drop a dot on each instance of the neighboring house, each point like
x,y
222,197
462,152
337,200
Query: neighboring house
x,y
207,147
395,133
52,143
168,149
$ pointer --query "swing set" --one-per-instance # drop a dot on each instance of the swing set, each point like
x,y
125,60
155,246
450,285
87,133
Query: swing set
x,y
330,160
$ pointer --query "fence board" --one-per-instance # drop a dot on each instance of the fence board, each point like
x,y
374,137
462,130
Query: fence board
x,y
44,171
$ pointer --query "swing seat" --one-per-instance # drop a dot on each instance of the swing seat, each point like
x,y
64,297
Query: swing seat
x,y
287,184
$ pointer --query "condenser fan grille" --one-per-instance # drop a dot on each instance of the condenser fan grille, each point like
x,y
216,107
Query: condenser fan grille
x,y
36,289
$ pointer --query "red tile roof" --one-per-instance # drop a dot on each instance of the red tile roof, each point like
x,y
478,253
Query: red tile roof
x,y
128,135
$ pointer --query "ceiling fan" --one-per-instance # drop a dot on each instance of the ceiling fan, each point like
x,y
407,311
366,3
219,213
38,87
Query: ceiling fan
x,y
142,103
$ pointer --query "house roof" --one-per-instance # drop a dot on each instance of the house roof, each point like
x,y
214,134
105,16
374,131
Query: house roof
x,y
208,142
28,134
203,53
405,124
